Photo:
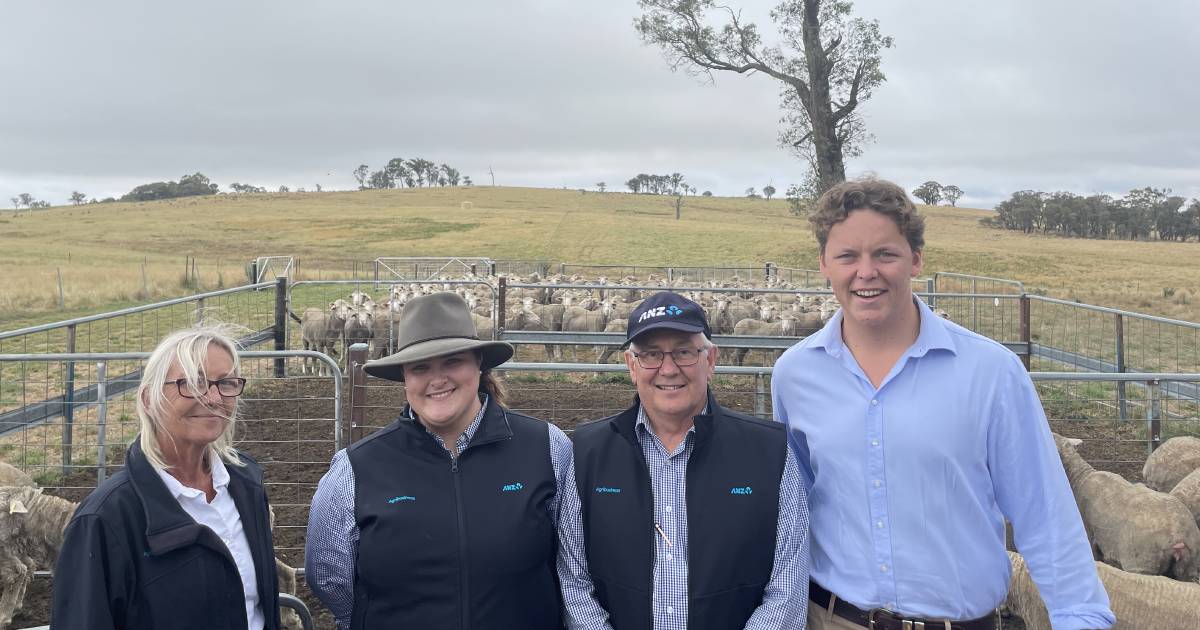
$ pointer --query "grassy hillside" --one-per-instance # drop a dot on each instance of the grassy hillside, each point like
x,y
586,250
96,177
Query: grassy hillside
x,y
101,249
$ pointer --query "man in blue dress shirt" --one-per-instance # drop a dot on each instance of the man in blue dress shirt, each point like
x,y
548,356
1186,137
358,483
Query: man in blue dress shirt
x,y
917,438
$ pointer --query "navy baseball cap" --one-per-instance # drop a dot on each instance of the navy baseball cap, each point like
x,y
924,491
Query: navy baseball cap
x,y
667,310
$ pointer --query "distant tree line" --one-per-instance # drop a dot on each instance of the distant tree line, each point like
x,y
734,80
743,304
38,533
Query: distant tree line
x,y
187,186
1145,213
412,173
672,184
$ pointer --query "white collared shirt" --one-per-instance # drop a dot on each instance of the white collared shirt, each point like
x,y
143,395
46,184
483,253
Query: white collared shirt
x,y
222,517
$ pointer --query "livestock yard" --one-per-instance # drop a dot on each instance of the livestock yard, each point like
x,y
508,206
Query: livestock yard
x,y
1078,313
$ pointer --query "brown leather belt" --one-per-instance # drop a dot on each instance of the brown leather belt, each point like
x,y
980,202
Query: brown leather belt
x,y
884,619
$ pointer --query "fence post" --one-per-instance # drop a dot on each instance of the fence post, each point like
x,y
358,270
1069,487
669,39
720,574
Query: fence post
x,y
199,310
1025,336
281,317
1153,415
974,307
69,404
931,287
767,271
1121,406
498,308
101,416
760,395
356,356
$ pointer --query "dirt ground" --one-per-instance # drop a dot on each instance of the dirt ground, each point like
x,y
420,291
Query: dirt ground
x,y
286,426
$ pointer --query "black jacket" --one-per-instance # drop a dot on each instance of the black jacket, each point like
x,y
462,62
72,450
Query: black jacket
x,y
466,544
733,477
133,558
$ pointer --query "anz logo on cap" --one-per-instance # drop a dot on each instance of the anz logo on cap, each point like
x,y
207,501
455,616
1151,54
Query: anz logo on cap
x,y
659,311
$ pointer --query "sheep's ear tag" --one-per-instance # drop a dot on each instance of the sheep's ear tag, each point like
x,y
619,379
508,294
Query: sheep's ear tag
x,y
16,507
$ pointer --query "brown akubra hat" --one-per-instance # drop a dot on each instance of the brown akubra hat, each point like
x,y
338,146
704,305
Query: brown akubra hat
x,y
432,326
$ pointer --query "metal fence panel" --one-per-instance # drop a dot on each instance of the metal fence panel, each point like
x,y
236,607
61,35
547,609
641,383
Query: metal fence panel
x,y
291,425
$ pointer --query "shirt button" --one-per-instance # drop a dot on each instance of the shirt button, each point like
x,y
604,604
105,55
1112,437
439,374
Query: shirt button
x,y
670,557
874,442
883,568
668,508
670,609
879,524
874,403
878,483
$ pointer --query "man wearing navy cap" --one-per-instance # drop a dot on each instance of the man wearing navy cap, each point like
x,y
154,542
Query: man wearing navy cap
x,y
688,515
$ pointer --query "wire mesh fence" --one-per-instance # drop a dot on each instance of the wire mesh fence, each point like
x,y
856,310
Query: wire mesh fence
x,y
129,330
290,424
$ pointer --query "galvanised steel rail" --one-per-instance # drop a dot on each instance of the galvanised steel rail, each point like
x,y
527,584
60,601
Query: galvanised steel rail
x,y
133,309
124,383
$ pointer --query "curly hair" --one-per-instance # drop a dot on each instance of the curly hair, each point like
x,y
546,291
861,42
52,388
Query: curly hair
x,y
868,193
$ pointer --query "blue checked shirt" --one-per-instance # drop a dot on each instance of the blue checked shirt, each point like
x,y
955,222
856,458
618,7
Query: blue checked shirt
x,y
332,542
785,600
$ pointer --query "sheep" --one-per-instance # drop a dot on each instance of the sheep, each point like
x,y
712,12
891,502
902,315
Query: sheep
x,y
12,476
527,317
758,328
1188,491
318,335
384,329
357,329
31,533
577,319
613,326
483,326
1171,462
1138,601
1129,525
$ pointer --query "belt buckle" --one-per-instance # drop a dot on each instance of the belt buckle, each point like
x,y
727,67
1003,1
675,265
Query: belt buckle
x,y
905,624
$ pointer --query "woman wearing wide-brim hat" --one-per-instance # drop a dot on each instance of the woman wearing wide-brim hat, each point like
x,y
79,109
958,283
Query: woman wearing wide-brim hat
x,y
446,518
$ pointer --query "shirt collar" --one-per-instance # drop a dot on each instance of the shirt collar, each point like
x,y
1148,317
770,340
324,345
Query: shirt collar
x,y
220,476
934,333
643,421
464,439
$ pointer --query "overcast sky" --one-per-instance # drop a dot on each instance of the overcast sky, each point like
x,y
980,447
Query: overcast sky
x,y
1086,96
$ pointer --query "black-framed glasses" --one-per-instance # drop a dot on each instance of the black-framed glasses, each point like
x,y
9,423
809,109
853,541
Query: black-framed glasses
x,y
683,357
228,387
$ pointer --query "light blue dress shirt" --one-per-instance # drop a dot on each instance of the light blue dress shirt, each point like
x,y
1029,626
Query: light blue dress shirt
x,y
910,483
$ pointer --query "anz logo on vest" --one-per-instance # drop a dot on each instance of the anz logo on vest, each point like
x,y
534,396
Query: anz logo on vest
x,y
740,490
398,499
512,487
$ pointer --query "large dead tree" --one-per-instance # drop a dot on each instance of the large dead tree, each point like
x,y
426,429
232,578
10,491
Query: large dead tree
x,y
827,61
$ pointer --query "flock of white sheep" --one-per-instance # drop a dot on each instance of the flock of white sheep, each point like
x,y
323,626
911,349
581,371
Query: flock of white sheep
x,y
559,304
1145,538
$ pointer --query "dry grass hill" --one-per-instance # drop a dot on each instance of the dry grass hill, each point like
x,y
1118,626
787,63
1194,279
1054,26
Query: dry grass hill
x,y
100,250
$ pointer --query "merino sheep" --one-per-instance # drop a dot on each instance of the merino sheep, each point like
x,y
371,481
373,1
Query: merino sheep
x,y
318,335
1138,601
758,328
1188,491
613,326
1171,462
357,328
31,533
1129,525
12,476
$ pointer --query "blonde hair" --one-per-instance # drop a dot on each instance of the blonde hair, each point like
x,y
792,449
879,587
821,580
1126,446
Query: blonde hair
x,y
189,350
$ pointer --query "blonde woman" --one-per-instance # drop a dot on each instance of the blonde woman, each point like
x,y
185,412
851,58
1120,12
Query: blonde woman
x,y
180,538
